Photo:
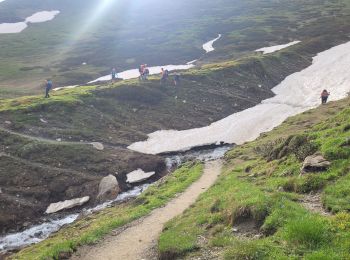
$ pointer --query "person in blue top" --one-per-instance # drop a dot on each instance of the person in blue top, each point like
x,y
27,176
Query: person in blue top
x,y
48,88
114,74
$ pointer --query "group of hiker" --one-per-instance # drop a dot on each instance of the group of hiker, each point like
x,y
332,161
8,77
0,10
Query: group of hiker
x,y
144,73
165,76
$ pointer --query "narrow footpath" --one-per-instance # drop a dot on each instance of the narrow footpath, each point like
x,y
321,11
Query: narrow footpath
x,y
136,241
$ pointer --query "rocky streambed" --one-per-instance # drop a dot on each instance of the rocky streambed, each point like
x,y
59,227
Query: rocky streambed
x,y
59,216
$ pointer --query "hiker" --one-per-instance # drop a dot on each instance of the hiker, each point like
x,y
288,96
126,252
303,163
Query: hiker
x,y
114,74
142,69
146,74
324,96
164,77
176,79
48,88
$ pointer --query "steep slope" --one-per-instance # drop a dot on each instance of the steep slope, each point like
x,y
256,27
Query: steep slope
x,y
264,207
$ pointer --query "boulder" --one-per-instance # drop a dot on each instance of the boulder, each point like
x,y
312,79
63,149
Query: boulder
x,y
138,176
98,146
108,188
315,163
67,204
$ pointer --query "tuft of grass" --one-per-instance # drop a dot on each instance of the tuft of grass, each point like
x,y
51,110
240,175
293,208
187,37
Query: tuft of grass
x,y
309,231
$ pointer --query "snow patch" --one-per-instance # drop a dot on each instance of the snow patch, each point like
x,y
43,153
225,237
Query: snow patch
x,y
138,176
38,17
272,49
41,17
297,93
208,46
12,27
134,73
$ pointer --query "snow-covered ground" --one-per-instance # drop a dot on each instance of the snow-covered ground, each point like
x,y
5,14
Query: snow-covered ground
x,y
41,17
297,93
134,73
208,46
38,17
272,49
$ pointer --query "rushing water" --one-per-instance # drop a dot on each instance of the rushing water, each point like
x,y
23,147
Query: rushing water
x,y
40,232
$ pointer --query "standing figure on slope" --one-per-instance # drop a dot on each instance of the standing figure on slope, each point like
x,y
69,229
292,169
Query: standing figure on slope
x,y
114,75
176,79
324,96
48,88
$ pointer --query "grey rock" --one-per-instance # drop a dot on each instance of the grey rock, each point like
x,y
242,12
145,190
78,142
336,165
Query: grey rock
x,y
315,163
98,146
108,188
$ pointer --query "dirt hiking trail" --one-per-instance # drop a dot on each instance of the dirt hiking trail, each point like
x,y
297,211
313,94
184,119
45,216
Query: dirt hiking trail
x,y
136,241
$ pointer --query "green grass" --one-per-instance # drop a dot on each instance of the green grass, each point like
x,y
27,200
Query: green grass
x,y
92,228
262,183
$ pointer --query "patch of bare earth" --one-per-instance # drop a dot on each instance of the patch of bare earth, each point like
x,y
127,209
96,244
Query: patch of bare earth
x,y
313,202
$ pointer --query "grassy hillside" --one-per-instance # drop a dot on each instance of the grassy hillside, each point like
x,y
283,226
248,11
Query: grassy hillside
x,y
118,115
125,34
263,208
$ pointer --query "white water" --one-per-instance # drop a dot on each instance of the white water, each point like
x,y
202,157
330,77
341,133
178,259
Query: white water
x,y
297,93
34,234
208,46
202,155
38,17
42,231
272,49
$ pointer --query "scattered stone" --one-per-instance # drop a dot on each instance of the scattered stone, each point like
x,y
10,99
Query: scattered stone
x,y
108,188
98,146
8,122
59,139
67,204
38,234
315,163
138,176
235,230
43,121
